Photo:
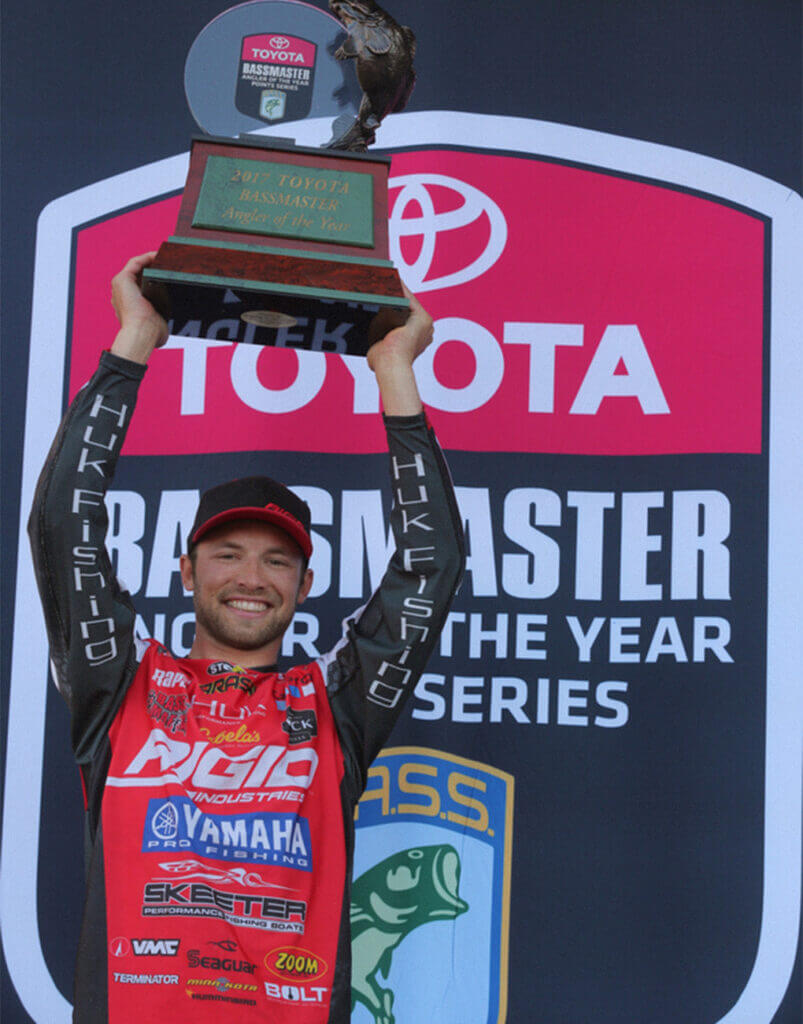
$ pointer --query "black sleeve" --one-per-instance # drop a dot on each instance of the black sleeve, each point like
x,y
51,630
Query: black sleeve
x,y
89,619
373,670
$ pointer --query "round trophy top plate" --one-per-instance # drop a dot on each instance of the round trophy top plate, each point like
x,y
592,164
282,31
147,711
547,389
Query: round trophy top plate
x,y
260,64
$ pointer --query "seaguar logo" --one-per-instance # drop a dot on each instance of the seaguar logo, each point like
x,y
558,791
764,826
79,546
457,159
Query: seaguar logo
x,y
417,900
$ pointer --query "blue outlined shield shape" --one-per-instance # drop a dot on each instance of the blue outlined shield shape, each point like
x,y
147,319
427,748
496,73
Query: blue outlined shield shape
x,y
751,998
432,886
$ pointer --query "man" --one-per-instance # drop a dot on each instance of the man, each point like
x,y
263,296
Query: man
x,y
220,791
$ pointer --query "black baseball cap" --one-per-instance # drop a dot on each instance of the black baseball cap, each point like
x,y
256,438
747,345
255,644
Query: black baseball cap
x,y
253,497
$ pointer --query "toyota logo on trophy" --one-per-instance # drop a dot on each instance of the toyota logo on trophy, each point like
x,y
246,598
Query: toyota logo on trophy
x,y
288,243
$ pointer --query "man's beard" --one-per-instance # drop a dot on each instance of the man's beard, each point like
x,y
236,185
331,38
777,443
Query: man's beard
x,y
241,636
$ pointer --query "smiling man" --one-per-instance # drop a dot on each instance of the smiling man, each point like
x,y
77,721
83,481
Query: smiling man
x,y
246,573
220,789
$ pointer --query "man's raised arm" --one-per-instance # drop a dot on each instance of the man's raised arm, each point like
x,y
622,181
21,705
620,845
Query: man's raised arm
x,y
373,670
89,618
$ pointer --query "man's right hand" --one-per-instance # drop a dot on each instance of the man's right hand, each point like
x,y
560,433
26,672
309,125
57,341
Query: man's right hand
x,y
142,329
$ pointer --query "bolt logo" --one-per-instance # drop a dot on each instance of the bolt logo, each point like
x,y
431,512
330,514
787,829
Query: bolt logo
x,y
279,42
432,886
164,822
442,206
293,964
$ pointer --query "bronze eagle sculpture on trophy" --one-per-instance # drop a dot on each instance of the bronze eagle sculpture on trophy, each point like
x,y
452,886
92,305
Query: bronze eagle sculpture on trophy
x,y
383,53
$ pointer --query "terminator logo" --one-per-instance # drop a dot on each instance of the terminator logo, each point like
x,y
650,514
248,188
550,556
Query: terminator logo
x,y
431,210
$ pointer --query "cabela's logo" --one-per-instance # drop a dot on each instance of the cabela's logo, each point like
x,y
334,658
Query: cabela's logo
x,y
419,808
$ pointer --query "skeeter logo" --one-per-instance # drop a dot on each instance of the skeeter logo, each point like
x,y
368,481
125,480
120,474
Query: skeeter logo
x,y
433,195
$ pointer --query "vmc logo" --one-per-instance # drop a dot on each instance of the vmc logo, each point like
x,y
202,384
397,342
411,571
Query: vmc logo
x,y
440,221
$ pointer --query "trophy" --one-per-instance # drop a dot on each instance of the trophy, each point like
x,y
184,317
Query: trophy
x,y
288,244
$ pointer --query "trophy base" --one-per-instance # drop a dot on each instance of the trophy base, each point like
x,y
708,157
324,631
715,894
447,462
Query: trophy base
x,y
285,298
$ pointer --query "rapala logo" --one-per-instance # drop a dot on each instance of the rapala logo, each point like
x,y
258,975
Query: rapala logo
x,y
206,767
166,680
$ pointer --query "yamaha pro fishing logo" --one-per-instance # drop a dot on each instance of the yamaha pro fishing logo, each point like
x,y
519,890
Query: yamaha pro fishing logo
x,y
431,886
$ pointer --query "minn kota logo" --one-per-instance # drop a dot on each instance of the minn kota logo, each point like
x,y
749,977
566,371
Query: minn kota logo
x,y
402,892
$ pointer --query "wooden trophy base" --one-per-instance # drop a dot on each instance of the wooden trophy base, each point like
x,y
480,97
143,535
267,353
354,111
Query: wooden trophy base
x,y
321,280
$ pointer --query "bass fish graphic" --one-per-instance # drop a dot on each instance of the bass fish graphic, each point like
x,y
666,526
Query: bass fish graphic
x,y
402,892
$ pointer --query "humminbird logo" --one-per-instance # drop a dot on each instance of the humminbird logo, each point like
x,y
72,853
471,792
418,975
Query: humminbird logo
x,y
254,838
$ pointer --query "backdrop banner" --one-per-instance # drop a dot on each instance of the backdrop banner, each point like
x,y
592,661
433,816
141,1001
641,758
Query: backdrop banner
x,y
606,746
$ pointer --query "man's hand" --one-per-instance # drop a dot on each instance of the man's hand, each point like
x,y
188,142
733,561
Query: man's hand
x,y
142,329
391,360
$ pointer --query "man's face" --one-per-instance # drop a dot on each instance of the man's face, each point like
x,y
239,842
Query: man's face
x,y
247,579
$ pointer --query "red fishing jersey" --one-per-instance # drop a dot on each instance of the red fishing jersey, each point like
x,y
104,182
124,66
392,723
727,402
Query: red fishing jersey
x,y
220,800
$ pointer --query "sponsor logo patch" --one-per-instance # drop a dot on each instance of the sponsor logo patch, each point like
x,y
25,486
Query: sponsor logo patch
x,y
217,668
295,964
167,680
254,838
230,682
303,994
195,899
195,869
196,960
145,979
204,766
221,990
300,726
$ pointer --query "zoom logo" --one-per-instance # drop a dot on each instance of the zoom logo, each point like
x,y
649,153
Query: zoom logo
x,y
456,231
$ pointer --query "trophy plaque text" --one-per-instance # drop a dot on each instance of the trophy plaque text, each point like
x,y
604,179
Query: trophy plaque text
x,y
288,245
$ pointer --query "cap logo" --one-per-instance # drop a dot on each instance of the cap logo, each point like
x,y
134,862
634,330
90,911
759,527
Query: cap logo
x,y
282,513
